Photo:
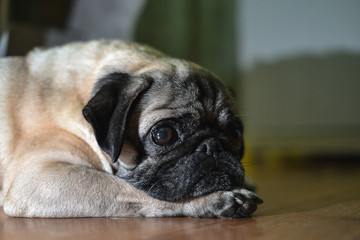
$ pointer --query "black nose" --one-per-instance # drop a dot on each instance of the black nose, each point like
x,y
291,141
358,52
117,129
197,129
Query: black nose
x,y
210,147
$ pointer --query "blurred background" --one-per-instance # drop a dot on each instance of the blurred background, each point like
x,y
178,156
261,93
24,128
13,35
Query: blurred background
x,y
294,65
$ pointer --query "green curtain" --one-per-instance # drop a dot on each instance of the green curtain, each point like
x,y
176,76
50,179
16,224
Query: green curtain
x,y
202,31
4,8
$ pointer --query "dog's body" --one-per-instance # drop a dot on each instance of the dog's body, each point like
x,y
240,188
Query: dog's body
x,y
65,156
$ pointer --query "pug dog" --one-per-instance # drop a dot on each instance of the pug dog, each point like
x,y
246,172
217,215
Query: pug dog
x,y
116,129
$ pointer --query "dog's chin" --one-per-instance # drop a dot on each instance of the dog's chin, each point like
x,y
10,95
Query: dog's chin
x,y
169,191
193,176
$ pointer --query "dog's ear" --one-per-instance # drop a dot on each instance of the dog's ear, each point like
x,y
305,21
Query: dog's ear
x,y
108,110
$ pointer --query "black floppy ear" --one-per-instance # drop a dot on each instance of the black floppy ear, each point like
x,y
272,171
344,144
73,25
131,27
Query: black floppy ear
x,y
108,110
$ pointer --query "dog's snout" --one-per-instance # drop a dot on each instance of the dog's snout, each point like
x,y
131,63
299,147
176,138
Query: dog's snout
x,y
210,147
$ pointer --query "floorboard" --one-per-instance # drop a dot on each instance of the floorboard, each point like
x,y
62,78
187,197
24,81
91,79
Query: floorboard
x,y
321,202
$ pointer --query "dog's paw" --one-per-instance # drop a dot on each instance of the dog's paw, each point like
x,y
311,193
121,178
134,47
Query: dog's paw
x,y
239,203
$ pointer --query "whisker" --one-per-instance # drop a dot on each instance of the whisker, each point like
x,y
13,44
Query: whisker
x,y
148,191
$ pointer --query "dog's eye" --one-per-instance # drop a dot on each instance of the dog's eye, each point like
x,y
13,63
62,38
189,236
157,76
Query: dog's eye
x,y
236,136
163,135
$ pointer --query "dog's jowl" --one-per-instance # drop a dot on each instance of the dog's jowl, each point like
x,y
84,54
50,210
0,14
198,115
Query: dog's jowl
x,y
107,128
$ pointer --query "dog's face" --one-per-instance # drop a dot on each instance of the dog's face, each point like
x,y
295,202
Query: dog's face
x,y
170,131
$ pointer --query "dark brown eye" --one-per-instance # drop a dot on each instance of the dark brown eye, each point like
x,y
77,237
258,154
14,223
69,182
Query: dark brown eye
x,y
236,137
163,135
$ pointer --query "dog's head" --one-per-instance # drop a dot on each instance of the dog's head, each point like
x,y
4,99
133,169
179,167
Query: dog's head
x,y
171,130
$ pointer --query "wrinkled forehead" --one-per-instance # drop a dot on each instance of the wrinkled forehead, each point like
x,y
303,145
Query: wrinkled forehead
x,y
182,88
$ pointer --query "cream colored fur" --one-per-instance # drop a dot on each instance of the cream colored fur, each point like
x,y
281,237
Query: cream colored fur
x,y
51,164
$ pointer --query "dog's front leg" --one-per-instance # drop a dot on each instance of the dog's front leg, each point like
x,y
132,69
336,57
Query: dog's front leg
x,y
66,190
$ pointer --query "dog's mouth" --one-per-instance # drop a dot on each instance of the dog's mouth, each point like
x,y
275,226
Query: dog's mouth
x,y
194,176
214,182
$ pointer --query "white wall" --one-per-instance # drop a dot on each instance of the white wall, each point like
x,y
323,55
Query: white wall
x,y
306,95
270,30
94,19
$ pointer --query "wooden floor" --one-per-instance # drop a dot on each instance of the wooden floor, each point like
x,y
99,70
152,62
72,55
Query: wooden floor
x,y
300,202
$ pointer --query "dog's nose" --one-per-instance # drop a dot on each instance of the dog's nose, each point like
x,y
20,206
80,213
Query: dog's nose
x,y
210,147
